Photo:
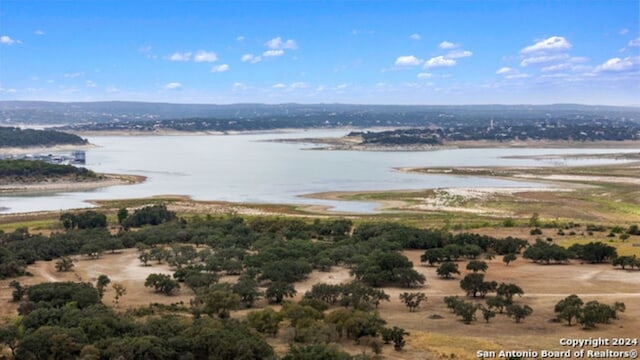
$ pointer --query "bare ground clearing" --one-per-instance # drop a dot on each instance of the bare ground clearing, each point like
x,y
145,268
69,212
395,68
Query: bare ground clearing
x,y
544,285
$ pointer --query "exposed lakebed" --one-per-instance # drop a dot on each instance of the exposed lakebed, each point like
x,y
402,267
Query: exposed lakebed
x,y
244,168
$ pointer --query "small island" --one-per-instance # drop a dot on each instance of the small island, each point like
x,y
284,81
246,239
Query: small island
x,y
600,133
36,175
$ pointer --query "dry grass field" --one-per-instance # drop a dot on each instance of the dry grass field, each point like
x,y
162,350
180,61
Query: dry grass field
x,y
435,331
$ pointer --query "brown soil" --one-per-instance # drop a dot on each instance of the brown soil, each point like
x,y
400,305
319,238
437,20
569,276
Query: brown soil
x,y
68,185
544,286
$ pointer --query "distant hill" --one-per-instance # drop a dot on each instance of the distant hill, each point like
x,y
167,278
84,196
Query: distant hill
x,y
316,115
15,137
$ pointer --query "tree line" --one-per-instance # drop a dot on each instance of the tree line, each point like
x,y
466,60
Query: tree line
x,y
16,137
28,170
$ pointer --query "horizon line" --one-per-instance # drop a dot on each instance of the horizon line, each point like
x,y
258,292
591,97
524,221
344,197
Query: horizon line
x,y
316,103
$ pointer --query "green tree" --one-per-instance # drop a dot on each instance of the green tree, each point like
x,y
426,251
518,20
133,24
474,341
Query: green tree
x,y
120,290
265,321
92,250
64,264
162,283
159,254
412,300
361,296
113,244
278,290
447,269
144,258
101,284
474,284
466,310
18,290
300,316
123,213
477,265
328,293
387,268
498,303
218,302
594,313
509,258
10,337
518,312
594,252
395,335
451,302
569,308
508,291
433,256
487,314
247,289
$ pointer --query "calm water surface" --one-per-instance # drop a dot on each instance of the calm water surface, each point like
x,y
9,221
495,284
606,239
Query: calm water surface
x,y
242,168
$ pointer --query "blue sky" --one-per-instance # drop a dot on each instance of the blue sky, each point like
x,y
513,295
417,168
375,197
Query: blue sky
x,y
376,52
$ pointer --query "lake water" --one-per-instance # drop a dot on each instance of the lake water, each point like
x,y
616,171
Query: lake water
x,y
243,168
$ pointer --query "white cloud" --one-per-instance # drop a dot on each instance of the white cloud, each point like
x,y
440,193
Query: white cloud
x,y
624,31
73,75
424,75
279,44
518,76
220,68
510,73
357,32
39,32
173,86
205,56
10,90
239,86
240,38
447,45
457,54
342,86
90,84
7,40
579,59
617,64
634,43
184,56
292,86
505,70
148,51
273,53
408,60
416,37
553,43
250,58
556,67
439,61
543,59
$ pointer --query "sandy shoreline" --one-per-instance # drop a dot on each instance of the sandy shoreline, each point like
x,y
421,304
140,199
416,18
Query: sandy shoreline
x,y
442,199
354,144
43,149
71,186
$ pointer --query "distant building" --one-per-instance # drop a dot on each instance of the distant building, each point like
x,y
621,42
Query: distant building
x,y
79,157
